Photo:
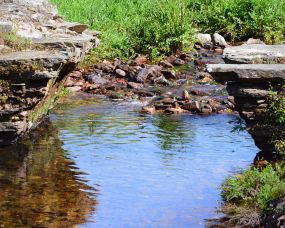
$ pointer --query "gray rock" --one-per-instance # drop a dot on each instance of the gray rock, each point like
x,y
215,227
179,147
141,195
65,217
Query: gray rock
x,y
95,78
247,72
218,40
141,75
204,39
6,26
247,54
206,109
251,41
161,80
74,88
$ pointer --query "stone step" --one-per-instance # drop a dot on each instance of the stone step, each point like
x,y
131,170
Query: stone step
x,y
255,53
247,72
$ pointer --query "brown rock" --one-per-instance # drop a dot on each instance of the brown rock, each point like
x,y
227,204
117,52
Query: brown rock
x,y
185,95
141,59
120,72
134,85
175,110
168,73
191,106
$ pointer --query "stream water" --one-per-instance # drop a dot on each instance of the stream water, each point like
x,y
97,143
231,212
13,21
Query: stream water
x,y
104,164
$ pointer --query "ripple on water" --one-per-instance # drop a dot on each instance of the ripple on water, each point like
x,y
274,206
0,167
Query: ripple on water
x,y
153,171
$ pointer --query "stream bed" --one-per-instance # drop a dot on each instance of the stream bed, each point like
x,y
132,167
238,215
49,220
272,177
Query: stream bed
x,y
96,163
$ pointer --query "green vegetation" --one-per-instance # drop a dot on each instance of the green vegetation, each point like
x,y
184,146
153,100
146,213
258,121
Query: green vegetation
x,y
256,187
155,28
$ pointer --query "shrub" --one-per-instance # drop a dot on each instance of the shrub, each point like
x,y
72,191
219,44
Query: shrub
x,y
258,187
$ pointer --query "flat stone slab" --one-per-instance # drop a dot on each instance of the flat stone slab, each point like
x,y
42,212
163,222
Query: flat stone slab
x,y
6,26
46,59
247,72
255,53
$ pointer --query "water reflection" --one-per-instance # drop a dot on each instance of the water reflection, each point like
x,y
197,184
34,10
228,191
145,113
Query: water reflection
x,y
40,186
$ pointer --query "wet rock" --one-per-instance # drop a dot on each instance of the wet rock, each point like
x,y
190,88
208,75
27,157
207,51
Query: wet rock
x,y
148,110
168,101
96,86
120,73
161,106
181,81
175,62
106,67
200,93
254,41
206,109
192,106
218,40
134,85
141,75
175,110
166,64
232,99
185,95
161,80
74,88
95,78
145,94
201,62
117,96
168,74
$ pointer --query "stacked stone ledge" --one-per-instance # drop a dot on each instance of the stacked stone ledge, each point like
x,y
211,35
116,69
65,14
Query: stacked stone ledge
x,y
32,79
249,72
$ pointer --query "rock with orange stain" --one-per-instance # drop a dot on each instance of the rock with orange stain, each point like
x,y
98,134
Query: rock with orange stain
x,y
148,110
175,111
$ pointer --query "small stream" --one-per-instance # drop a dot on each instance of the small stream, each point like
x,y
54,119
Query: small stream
x,y
96,163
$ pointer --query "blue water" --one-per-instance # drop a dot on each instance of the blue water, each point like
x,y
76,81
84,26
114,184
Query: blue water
x,y
149,170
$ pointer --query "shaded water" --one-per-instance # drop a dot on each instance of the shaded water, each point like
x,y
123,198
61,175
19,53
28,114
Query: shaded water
x,y
100,164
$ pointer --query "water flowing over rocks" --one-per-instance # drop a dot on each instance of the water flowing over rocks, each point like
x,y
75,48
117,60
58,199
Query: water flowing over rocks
x,y
252,86
32,77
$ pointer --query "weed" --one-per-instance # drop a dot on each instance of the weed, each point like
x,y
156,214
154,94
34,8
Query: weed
x,y
256,186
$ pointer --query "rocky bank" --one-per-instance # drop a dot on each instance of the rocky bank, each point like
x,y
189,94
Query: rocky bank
x,y
38,50
253,74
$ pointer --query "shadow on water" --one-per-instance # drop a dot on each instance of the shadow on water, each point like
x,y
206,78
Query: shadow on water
x,y
40,186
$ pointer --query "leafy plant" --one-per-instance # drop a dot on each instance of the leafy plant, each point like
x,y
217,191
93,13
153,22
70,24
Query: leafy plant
x,y
258,187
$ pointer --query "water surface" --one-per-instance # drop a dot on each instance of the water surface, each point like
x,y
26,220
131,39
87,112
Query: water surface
x,y
105,164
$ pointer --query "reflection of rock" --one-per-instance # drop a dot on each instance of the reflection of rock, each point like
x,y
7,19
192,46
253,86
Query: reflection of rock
x,y
38,187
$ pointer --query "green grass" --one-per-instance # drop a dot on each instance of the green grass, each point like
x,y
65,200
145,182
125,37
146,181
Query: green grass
x,y
255,187
160,27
